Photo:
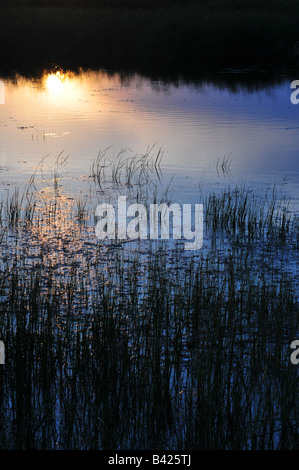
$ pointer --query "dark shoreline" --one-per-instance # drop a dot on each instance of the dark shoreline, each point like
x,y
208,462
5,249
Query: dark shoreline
x,y
180,39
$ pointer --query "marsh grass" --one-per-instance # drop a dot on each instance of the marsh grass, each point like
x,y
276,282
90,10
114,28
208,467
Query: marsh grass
x,y
136,169
146,346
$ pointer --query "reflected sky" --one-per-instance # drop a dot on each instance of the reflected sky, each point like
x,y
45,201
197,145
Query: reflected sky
x,y
194,125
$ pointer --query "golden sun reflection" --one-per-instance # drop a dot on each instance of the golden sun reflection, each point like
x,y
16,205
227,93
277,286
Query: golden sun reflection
x,y
64,89
54,82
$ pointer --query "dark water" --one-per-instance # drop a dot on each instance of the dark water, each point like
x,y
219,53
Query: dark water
x,y
141,345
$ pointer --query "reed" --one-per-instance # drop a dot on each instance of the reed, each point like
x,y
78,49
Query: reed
x,y
125,168
146,346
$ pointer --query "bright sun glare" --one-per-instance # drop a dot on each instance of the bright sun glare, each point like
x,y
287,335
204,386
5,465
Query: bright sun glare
x,y
54,82
63,89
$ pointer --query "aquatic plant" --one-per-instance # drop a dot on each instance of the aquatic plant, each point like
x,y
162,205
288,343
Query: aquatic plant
x,y
142,345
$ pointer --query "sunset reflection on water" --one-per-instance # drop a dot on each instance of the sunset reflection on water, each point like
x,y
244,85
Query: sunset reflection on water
x,y
196,126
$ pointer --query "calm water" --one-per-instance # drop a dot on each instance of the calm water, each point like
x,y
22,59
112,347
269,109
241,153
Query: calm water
x,y
197,126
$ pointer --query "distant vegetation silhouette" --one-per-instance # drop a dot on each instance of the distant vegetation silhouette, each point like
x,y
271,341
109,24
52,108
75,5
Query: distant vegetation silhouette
x,y
157,34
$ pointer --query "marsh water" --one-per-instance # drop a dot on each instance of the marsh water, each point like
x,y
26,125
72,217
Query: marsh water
x,y
142,345
250,124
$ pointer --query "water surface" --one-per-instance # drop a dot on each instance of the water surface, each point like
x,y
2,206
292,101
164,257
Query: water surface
x,y
254,129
